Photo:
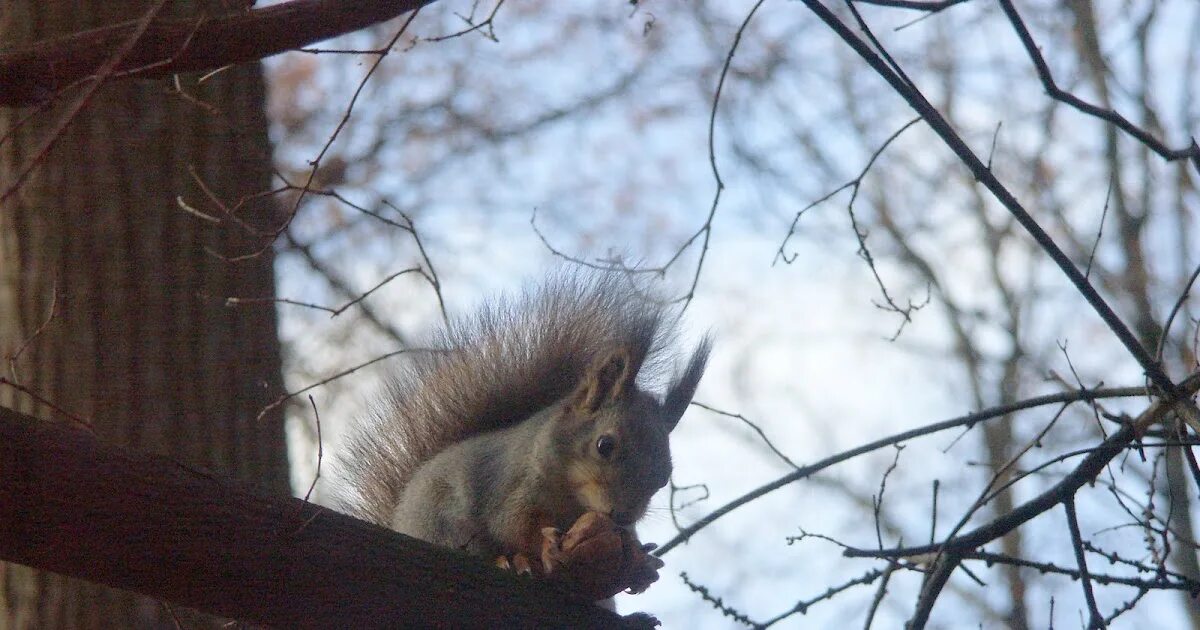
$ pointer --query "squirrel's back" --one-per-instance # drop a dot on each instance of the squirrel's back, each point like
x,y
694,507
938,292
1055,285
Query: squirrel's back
x,y
492,370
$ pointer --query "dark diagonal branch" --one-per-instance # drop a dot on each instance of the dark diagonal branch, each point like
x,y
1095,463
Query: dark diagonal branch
x,y
33,74
73,505
984,175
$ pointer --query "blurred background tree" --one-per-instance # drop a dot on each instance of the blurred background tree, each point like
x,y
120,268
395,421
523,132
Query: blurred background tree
x,y
111,289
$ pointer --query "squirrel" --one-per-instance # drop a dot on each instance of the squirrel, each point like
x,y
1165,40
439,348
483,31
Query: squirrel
x,y
524,418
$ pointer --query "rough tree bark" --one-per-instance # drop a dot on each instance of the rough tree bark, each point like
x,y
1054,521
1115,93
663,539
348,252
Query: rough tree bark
x,y
189,536
110,297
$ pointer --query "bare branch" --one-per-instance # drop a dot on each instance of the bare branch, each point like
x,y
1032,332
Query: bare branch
x,y
942,127
1192,152
1096,620
1064,490
961,421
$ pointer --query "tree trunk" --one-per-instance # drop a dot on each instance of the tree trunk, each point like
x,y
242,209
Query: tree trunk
x,y
111,297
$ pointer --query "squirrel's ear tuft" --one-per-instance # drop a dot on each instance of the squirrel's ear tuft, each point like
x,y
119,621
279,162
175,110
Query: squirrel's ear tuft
x,y
605,382
679,394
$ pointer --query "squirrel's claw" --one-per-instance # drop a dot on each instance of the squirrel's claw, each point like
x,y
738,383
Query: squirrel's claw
x,y
641,571
518,563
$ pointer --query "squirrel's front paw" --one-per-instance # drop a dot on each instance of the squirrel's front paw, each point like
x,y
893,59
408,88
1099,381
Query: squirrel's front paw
x,y
597,558
641,568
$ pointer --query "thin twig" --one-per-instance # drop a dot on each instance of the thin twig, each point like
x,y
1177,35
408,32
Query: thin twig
x,y
1192,152
938,123
1085,580
315,163
966,420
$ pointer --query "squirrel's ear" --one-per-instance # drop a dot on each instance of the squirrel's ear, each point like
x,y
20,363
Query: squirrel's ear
x,y
679,394
606,381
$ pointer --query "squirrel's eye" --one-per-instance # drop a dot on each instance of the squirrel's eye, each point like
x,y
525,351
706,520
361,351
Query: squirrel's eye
x,y
606,445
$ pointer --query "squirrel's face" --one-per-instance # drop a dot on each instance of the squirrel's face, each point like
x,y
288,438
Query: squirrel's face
x,y
621,458
617,436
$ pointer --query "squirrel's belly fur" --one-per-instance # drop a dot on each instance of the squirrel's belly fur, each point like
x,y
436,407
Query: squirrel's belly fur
x,y
479,492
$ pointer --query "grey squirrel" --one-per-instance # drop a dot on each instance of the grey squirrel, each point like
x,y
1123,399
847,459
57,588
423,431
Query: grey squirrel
x,y
522,419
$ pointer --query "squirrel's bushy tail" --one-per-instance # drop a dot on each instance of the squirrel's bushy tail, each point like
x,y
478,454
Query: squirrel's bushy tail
x,y
491,370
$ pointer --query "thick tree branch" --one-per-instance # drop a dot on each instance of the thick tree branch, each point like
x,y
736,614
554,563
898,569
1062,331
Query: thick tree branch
x,y
73,505
35,73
